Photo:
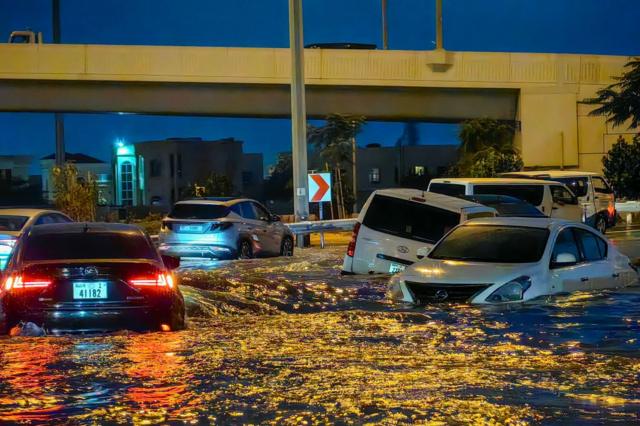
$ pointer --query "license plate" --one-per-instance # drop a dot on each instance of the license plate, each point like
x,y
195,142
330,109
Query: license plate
x,y
92,290
191,228
394,268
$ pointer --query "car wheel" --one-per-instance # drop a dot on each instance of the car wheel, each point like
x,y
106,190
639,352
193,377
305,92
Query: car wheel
x,y
601,224
287,247
245,251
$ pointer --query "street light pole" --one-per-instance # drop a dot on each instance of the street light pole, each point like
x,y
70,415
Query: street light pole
x,y
439,42
385,34
298,114
59,118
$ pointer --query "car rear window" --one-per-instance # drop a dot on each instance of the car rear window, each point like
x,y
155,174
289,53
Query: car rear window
x,y
198,211
532,194
12,223
409,219
578,185
453,189
88,246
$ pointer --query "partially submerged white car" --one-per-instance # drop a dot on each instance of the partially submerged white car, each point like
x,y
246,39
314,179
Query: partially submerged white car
x,y
506,260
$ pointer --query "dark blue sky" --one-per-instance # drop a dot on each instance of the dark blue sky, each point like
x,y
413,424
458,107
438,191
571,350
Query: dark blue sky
x,y
565,26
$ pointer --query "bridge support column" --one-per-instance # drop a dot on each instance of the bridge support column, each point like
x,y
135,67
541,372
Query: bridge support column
x,y
298,114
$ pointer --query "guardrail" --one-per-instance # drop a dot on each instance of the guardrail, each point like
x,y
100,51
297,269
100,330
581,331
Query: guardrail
x,y
321,227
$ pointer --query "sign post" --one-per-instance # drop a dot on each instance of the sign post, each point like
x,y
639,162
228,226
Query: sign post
x,y
320,192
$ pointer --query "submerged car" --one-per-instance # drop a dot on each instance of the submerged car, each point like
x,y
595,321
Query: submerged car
x,y
503,260
14,221
224,228
90,277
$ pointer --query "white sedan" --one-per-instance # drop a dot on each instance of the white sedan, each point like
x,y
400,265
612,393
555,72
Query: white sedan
x,y
503,260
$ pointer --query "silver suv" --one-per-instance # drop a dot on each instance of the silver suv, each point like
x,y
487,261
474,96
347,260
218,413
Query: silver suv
x,y
224,228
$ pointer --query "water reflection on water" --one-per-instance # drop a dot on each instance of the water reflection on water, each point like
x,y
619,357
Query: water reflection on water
x,y
291,342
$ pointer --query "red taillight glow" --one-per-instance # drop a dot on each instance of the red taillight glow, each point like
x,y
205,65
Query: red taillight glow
x,y
351,248
612,210
18,281
160,280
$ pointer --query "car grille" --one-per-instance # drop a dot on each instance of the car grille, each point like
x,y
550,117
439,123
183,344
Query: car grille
x,y
443,293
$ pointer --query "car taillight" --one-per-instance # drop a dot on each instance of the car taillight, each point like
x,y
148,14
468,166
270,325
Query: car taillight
x,y
19,281
158,280
351,248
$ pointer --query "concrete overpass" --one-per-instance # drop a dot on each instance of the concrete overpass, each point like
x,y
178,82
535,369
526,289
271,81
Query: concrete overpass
x,y
541,91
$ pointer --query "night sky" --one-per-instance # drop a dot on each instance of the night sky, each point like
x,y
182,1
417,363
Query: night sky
x,y
563,26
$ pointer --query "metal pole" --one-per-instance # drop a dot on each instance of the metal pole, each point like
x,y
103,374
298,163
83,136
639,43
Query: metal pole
x,y
298,114
385,33
59,118
439,42
353,170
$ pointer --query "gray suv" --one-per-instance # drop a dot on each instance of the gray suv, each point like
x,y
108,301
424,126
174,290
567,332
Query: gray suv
x,y
224,228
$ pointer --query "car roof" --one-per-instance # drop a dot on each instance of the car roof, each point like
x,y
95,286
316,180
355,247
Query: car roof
x,y
215,201
529,222
432,198
554,173
85,227
26,212
503,180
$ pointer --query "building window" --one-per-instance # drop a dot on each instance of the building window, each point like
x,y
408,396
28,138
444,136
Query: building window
x,y
374,175
418,170
5,175
179,165
247,178
155,168
126,185
172,170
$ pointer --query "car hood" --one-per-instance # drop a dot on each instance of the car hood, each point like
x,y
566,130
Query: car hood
x,y
465,272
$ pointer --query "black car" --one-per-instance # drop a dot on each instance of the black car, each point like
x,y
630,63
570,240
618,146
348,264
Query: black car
x,y
505,205
90,277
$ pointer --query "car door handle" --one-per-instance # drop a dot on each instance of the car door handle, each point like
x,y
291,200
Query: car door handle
x,y
583,279
615,275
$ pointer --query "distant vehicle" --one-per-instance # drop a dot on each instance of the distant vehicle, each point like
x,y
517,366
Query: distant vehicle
x,y
397,227
506,260
506,206
553,199
14,221
88,277
25,37
593,191
224,228
357,46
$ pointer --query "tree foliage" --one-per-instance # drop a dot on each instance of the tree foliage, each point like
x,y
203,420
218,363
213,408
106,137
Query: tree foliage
x,y
75,195
214,185
486,149
279,186
622,167
620,101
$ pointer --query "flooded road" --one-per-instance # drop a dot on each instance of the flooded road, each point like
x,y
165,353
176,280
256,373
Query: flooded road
x,y
286,341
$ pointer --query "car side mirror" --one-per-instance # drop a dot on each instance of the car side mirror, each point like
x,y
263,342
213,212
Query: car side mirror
x,y
422,252
564,259
171,262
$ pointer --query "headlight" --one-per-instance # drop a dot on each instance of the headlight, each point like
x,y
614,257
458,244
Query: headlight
x,y
511,291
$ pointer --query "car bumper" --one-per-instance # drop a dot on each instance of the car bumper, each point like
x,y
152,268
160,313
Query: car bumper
x,y
212,251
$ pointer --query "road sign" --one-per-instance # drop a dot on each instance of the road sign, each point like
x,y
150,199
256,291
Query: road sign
x,y
319,187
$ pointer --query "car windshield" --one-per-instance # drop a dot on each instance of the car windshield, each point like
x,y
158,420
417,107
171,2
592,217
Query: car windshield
x,y
88,246
12,223
493,243
198,211
577,185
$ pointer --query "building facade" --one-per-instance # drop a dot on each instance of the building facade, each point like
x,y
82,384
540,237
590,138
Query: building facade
x,y
158,172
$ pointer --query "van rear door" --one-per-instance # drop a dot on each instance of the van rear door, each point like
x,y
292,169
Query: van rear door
x,y
394,229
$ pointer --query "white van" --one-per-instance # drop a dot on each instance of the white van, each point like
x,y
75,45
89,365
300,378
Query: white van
x,y
398,227
593,191
553,199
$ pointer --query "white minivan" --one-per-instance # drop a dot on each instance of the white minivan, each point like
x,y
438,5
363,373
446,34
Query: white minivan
x,y
398,227
593,191
552,198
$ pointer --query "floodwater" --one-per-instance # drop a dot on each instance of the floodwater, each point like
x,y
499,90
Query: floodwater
x,y
290,341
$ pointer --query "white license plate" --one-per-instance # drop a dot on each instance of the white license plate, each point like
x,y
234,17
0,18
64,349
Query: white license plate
x,y
90,290
394,268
